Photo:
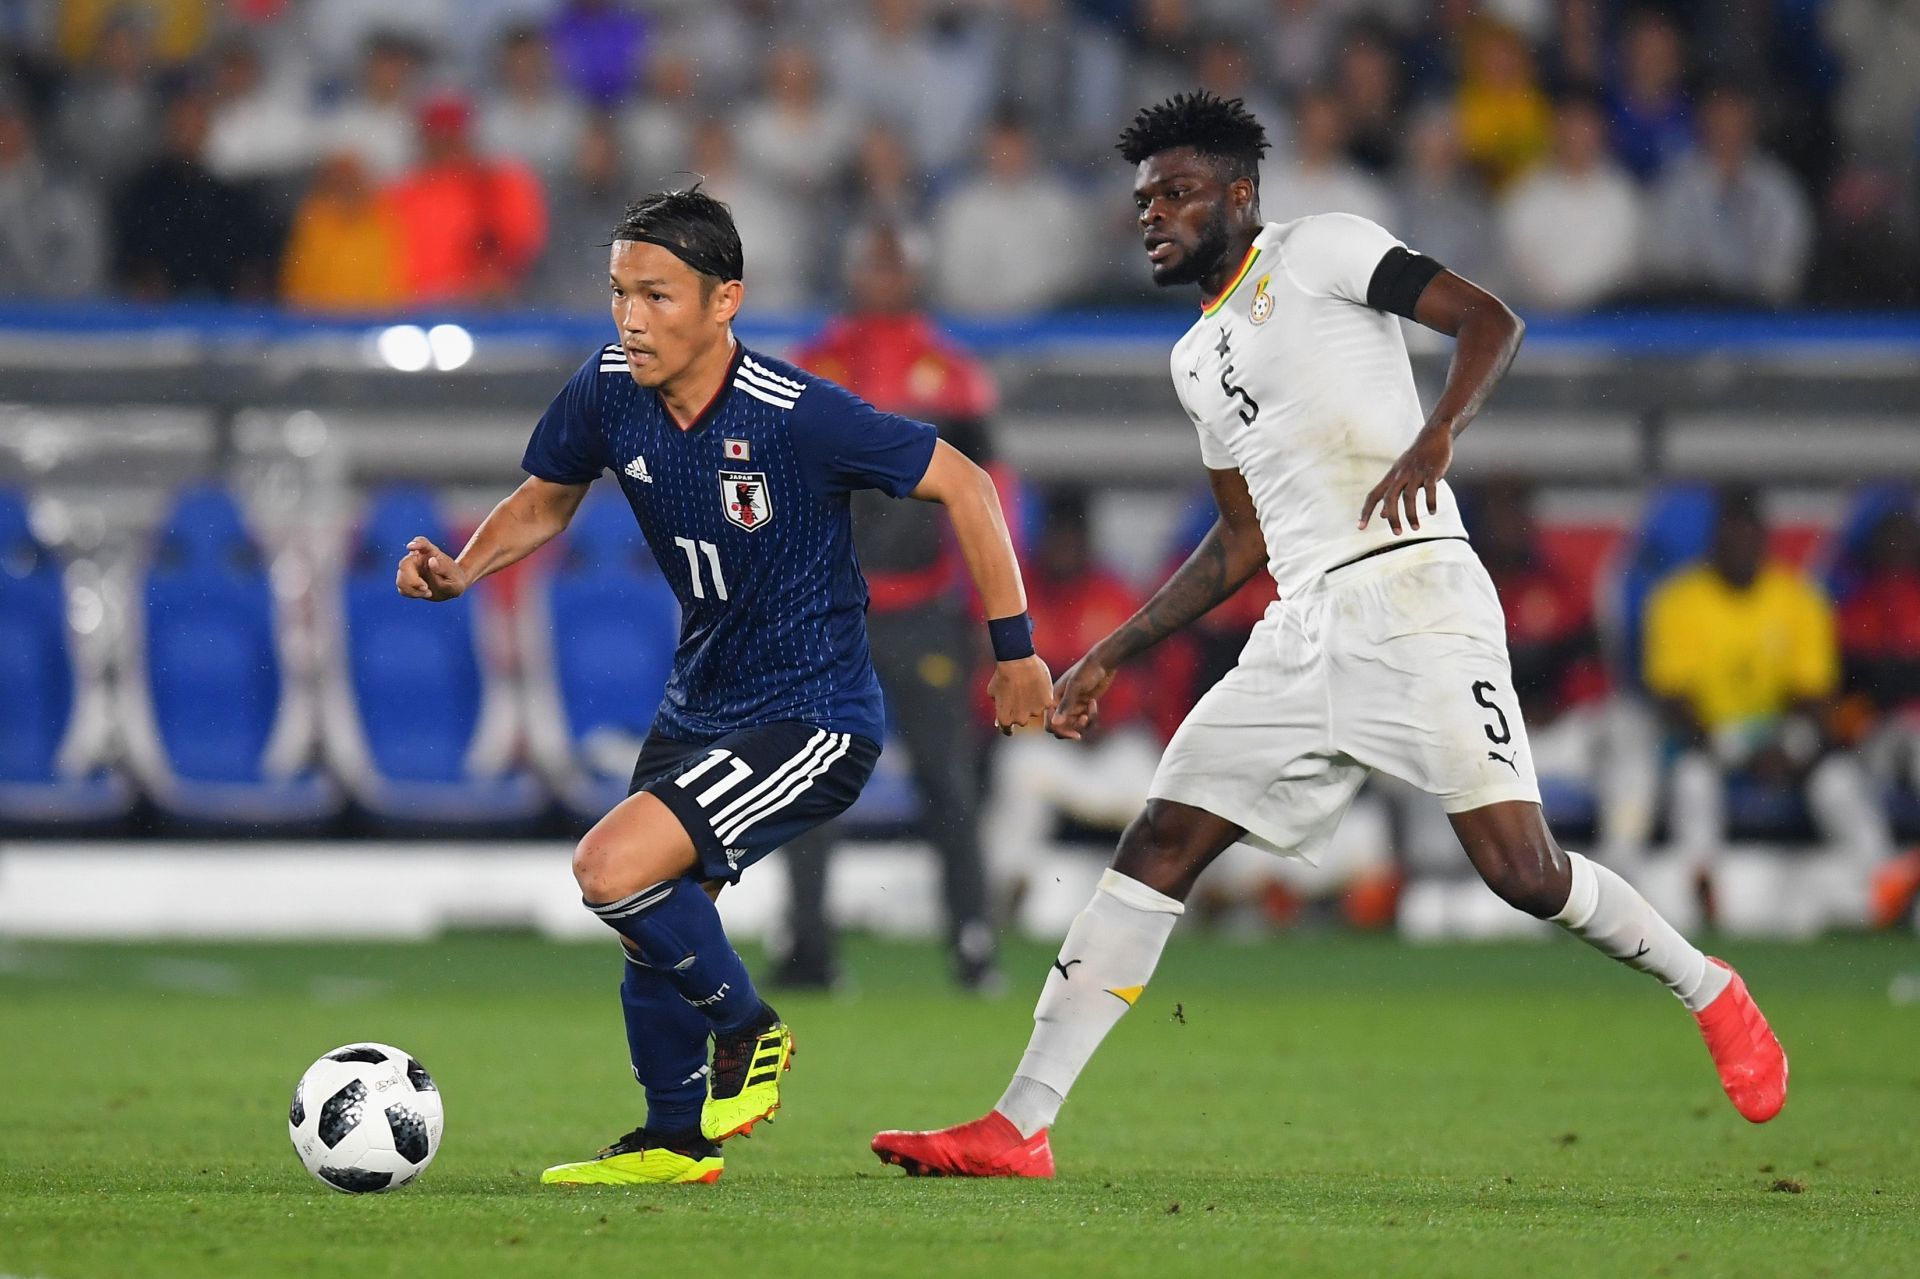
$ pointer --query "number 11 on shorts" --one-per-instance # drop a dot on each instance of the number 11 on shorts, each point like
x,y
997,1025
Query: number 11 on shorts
x,y
740,771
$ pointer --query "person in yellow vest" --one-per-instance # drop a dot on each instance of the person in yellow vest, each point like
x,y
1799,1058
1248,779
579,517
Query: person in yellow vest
x,y
1742,654
1504,116
343,252
178,29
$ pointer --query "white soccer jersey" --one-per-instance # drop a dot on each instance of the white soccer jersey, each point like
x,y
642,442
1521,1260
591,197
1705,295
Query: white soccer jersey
x,y
1294,381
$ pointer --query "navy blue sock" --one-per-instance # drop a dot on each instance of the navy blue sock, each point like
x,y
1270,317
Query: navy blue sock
x,y
667,1041
677,930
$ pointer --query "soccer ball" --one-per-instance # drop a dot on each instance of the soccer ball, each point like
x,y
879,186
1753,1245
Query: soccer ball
x,y
365,1117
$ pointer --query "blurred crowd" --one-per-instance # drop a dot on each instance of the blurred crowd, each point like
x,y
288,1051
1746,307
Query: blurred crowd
x,y
358,155
1708,683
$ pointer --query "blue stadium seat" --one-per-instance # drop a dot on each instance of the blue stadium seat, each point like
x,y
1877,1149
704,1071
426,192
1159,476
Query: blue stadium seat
x,y
1903,813
49,775
218,733
1766,810
598,632
1844,561
889,804
1845,555
1675,530
424,737
1197,516
1572,806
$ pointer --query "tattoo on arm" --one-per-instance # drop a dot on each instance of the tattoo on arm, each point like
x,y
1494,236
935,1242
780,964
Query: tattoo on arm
x,y
1208,579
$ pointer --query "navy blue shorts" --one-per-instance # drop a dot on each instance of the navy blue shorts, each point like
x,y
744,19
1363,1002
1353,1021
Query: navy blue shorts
x,y
743,795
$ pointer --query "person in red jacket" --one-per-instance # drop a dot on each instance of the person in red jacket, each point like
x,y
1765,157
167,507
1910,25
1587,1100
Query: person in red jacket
x,y
1879,620
471,226
887,351
1879,623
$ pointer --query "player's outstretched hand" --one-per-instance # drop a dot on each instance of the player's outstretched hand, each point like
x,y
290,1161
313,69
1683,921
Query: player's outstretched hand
x,y
1077,697
1418,471
429,573
1022,693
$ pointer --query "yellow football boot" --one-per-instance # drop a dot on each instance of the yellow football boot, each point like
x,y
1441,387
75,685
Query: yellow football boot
x,y
640,1159
743,1087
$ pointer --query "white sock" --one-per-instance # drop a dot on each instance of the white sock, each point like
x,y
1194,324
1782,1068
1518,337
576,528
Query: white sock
x,y
1605,912
1106,961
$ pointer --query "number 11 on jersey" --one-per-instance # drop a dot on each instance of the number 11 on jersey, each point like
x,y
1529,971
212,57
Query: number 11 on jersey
x,y
694,550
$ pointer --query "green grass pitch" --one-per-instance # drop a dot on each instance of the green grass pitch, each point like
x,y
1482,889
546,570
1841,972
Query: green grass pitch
x,y
1331,1106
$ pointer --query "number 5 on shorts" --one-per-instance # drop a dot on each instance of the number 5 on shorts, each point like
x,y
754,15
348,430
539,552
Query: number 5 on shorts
x,y
1502,735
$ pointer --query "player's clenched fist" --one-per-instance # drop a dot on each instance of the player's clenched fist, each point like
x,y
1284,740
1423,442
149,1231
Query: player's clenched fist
x,y
1077,697
1022,693
429,573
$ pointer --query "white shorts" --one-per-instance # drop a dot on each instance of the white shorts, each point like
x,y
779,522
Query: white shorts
x,y
1396,663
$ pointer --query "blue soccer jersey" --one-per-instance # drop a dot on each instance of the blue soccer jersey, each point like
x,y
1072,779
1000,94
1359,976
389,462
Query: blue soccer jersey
x,y
746,512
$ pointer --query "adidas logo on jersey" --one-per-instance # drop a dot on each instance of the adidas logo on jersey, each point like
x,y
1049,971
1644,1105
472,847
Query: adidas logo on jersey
x,y
637,469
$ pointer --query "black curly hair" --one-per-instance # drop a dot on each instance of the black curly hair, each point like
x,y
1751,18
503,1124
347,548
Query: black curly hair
x,y
1221,129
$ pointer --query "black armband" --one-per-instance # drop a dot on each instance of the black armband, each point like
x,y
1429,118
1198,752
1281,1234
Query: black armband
x,y
1400,279
1012,637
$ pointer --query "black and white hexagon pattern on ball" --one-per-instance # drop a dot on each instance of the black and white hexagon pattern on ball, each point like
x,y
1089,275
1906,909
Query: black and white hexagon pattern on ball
x,y
355,1181
297,1112
341,1113
409,1133
417,1076
366,1053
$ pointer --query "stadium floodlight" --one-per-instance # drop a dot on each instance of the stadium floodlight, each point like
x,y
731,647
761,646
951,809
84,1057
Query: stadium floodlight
x,y
306,434
452,346
405,347
86,608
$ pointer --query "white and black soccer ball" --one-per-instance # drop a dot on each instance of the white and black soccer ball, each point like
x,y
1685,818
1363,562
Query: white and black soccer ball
x,y
365,1118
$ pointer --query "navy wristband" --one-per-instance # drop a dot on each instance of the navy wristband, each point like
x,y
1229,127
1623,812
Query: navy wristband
x,y
1012,637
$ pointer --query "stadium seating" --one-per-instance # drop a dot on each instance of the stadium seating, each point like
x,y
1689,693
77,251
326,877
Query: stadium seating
x,y
889,804
1572,806
1845,553
1843,563
1675,528
217,731
597,636
425,737
54,731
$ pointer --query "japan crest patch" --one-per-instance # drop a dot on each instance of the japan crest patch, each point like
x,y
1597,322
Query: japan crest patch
x,y
744,499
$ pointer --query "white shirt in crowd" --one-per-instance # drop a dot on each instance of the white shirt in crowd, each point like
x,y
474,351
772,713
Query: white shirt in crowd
x,y
803,152
268,132
777,235
1004,246
1571,239
385,137
934,92
1295,190
1750,235
541,132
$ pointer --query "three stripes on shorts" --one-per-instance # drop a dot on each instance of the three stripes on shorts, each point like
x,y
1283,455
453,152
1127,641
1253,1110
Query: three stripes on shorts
x,y
779,790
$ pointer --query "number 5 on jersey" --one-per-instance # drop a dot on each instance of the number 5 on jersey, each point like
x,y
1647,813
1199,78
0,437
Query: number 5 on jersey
x,y
694,551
